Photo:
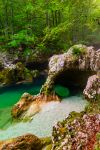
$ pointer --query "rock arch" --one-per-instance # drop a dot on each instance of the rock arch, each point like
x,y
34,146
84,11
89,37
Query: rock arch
x,y
78,58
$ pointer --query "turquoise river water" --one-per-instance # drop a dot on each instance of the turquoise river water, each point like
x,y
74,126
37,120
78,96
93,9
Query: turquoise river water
x,y
42,123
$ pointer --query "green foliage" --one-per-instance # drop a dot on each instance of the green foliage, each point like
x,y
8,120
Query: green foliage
x,y
61,91
48,25
22,38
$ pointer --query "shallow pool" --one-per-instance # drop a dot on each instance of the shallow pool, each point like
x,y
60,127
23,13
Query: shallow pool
x,y
10,95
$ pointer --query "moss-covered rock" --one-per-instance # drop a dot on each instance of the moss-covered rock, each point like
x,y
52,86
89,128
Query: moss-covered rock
x,y
47,143
35,73
17,73
78,50
1,65
78,131
7,76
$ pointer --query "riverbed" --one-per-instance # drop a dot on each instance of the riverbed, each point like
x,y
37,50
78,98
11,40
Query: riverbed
x,y
41,124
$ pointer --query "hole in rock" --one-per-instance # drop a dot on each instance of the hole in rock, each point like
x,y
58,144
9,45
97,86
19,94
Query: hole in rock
x,y
75,80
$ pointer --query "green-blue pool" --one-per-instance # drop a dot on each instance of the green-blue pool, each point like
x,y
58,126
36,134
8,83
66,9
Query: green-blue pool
x,y
42,123
11,95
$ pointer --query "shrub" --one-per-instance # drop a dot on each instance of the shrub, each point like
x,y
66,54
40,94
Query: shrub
x,y
22,38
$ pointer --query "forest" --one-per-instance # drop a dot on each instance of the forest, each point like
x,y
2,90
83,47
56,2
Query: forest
x,y
43,25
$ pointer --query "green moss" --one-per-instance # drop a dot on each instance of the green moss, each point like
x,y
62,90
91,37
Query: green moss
x,y
1,77
78,49
49,147
46,140
1,65
47,143
8,76
97,145
93,107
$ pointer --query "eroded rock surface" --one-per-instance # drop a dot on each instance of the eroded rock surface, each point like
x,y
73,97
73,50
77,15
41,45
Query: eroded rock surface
x,y
29,105
78,57
77,132
14,74
92,90
25,142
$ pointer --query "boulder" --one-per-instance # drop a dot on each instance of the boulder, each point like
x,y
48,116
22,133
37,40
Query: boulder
x,y
15,74
92,89
22,106
25,142
77,132
29,105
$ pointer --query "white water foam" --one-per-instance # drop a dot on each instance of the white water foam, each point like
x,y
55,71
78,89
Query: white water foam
x,y
42,123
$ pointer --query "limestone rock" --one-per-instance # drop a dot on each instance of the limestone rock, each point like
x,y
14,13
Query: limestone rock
x,y
77,132
29,105
25,142
92,90
23,104
78,57
14,74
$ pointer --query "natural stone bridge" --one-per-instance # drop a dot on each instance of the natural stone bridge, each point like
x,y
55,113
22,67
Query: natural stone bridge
x,y
78,64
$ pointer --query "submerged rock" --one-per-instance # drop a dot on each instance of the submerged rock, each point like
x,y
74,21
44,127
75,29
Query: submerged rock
x,y
29,105
25,142
77,132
